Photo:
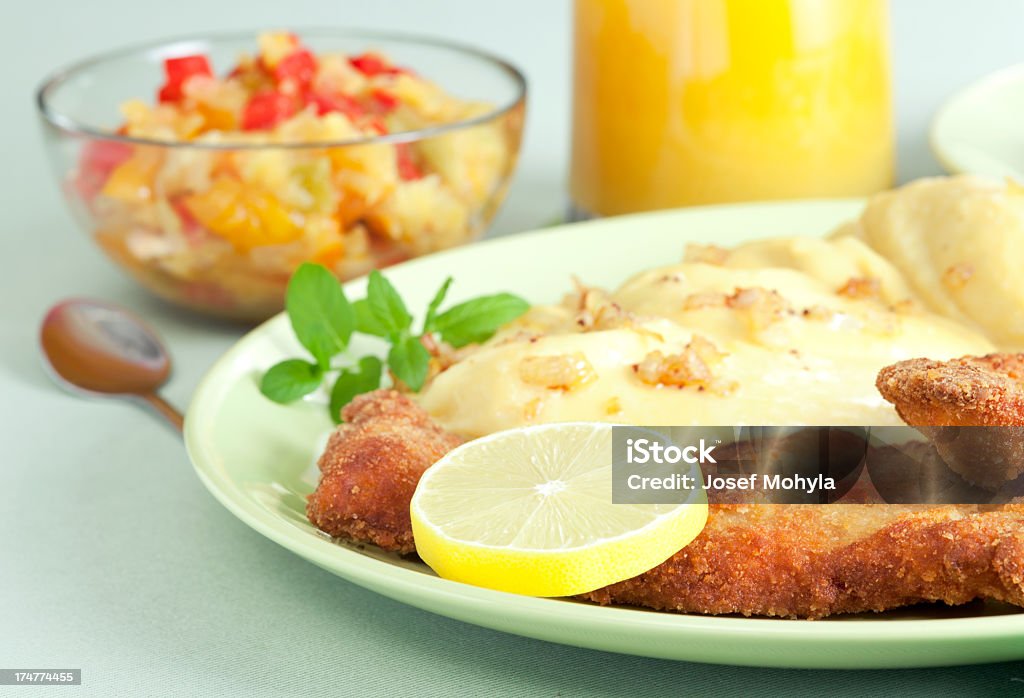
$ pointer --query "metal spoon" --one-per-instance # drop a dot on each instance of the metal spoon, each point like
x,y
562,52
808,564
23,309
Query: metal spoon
x,y
102,350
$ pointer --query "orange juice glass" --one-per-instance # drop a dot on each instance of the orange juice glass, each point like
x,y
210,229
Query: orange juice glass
x,y
681,102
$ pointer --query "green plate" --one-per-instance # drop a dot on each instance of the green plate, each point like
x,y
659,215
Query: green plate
x,y
257,458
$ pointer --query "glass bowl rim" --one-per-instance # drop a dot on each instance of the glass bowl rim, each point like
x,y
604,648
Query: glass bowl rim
x,y
74,127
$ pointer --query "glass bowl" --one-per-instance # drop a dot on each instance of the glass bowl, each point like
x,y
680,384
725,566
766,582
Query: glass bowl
x,y
218,225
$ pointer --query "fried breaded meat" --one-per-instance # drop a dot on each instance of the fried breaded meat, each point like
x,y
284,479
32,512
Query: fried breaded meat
x,y
811,561
370,469
969,391
805,561
971,409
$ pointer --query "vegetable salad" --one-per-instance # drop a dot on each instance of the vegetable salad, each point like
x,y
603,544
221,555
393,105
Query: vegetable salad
x,y
221,226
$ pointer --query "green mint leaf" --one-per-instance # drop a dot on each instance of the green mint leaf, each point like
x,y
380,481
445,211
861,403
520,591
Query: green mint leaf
x,y
319,312
289,380
366,321
355,381
435,303
386,305
476,320
409,361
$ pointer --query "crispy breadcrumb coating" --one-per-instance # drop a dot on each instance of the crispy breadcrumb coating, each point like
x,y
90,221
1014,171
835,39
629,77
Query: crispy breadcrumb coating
x,y
799,561
812,561
969,391
370,469
985,393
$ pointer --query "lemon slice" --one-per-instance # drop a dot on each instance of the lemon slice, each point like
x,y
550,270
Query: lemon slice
x,y
530,511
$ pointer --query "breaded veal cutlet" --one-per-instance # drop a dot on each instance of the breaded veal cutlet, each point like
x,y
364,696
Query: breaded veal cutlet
x,y
796,561
971,409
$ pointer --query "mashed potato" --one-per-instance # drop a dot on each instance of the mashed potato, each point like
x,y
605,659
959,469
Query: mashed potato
x,y
783,331
787,331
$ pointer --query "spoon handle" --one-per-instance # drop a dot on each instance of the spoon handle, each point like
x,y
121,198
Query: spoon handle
x,y
164,409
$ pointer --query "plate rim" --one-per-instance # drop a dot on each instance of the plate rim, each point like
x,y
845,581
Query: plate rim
x,y
417,588
939,121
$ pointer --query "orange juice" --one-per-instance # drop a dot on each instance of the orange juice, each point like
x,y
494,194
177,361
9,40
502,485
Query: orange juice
x,y
680,102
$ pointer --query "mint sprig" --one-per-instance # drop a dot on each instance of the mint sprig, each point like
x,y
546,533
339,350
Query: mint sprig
x,y
324,321
320,314
386,306
435,304
354,381
290,380
409,361
478,319
366,321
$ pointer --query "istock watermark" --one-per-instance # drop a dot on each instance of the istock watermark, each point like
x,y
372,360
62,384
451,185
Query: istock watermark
x,y
817,464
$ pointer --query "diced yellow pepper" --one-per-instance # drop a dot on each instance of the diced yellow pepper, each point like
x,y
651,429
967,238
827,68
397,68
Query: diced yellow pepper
x,y
323,235
215,119
330,255
130,181
243,217
276,225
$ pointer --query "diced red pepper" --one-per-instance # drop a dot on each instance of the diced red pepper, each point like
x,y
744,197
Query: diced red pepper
x,y
183,67
407,169
99,159
169,93
326,103
299,66
370,64
378,126
384,101
267,109
179,70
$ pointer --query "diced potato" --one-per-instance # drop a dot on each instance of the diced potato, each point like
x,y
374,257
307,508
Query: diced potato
x,y
423,214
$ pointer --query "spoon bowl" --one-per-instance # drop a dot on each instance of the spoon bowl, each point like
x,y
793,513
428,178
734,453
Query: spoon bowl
x,y
102,350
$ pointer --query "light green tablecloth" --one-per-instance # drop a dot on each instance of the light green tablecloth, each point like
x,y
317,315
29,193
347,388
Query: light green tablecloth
x,y
115,560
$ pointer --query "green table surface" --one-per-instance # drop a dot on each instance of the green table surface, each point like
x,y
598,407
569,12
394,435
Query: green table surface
x,y
115,560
